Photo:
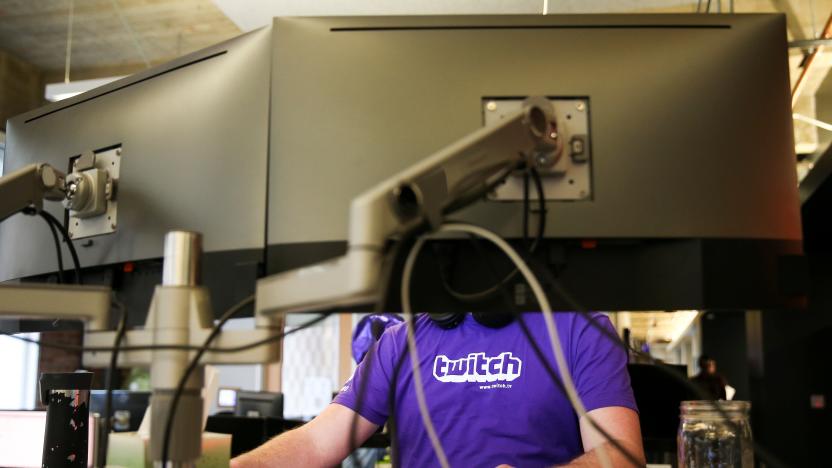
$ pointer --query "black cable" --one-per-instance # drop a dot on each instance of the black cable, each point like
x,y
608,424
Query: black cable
x,y
108,400
506,295
227,315
501,287
526,209
30,211
76,264
86,349
106,349
391,396
708,7
698,6
199,349
58,251
407,238
362,389
234,310
384,285
761,451
632,458
461,200
493,290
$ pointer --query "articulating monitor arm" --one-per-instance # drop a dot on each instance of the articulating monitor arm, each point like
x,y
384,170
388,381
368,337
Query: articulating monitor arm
x,y
90,304
424,193
29,186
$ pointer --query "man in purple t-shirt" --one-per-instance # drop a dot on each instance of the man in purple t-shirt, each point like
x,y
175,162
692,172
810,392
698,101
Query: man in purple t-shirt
x,y
490,399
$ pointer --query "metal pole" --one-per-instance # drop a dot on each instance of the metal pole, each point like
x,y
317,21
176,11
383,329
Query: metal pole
x,y
69,39
182,253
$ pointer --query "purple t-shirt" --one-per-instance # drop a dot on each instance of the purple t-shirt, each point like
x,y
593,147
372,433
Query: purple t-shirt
x,y
490,398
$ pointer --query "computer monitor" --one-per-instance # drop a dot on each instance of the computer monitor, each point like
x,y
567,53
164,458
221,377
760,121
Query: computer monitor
x,y
259,404
128,407
227,398
683,194
192,137
690,197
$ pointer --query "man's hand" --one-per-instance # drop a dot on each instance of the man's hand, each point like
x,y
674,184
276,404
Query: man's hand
x,y
324,441
622,425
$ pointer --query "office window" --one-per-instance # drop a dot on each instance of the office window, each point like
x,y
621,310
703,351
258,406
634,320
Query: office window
x,y
2,150
19,364
310,366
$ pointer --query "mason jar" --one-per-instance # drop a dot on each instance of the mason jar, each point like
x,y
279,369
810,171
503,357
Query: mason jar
x,y
714,439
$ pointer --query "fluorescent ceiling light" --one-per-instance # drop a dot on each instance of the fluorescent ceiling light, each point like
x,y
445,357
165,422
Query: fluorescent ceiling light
x,y
815,122
58,91
681,323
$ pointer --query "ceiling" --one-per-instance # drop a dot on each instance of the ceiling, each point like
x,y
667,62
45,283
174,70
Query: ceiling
x,y
109,34
130,34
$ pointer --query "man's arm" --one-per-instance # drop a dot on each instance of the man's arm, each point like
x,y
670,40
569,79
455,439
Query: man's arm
x,y
324,441
620,423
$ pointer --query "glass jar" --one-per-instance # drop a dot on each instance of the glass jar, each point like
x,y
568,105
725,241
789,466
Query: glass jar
x,y
706,438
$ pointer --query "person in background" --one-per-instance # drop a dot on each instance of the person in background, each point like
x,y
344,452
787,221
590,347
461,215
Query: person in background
x,y
369,330
711,382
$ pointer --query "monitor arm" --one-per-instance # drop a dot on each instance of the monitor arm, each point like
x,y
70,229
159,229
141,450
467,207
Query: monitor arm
x,y
90,304
29,186
180,311
423,194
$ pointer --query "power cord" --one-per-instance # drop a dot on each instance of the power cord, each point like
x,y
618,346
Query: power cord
x,y
543,301
391,398
541,229
421,401
108,400
177,395
518,315
761,451
474,195
215,331
765,455
33,212
65,234
107,349
459,202
386,275
506,296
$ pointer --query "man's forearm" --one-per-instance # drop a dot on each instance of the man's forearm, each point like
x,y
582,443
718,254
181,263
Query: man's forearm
x,y
288,449
617,459
320,442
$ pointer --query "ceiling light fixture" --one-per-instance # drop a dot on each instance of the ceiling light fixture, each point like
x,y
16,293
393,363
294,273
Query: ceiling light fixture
x,y
59,91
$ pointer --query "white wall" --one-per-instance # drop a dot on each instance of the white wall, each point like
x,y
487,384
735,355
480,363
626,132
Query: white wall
x,y
19,371
2,149
239,376
310,367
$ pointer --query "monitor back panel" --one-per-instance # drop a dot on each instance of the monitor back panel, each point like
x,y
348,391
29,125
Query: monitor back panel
x,y
194,139
689,115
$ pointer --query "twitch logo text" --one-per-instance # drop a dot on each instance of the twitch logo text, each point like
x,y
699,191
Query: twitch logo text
x,y
477,367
